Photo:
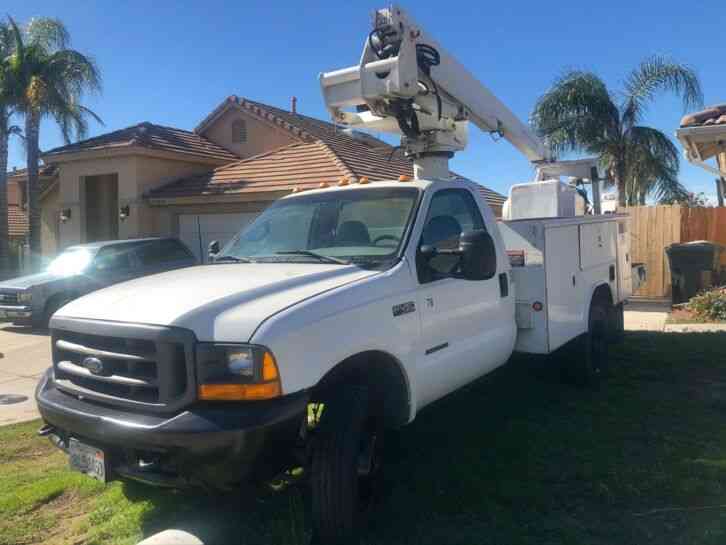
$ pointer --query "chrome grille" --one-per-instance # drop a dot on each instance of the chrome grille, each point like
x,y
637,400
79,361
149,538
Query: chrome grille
x,y
9,298
142,366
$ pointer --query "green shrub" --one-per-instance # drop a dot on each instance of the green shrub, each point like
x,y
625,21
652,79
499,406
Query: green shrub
x,y
709,305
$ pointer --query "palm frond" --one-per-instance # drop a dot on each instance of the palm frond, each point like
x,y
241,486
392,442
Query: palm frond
x,y
653,163
78,72
659,74
576,114
48,33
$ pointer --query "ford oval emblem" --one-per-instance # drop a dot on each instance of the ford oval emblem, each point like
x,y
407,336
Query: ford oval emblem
x,y
94,365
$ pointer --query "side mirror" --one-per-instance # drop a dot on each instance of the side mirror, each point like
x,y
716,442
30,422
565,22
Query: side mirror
x,y
478,255
213,249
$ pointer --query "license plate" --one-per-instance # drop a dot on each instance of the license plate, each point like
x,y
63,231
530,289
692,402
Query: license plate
x,y
87,459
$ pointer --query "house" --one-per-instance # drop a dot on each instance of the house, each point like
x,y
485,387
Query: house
x,y
17,203
204,184
703,135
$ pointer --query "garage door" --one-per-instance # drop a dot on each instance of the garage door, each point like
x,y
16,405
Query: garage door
x,y
198,230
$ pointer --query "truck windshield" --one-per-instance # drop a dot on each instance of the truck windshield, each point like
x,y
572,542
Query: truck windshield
x,y
362,225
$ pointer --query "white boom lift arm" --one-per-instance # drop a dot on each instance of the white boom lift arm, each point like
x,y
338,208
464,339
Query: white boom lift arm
x,y
407,84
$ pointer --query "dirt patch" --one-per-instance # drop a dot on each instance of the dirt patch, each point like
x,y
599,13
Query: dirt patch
x,y
63,515
680,315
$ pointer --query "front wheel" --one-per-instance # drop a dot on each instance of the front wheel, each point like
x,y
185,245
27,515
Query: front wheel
x,y
346,466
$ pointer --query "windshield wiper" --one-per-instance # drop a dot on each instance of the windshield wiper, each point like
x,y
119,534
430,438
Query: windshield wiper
x,y
232,258
316,255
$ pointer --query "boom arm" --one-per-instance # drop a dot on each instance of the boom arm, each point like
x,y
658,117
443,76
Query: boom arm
x,y
406,83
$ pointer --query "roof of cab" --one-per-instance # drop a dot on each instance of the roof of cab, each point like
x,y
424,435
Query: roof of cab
x,y
103,243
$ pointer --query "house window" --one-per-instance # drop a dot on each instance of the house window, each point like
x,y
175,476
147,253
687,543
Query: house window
x,y
239,132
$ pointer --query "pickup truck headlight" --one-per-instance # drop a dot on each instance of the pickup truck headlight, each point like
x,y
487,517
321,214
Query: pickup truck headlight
x,y
236,372
25,297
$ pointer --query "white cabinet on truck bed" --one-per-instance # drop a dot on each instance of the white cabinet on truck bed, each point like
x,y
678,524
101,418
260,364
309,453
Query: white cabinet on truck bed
x,y
557,263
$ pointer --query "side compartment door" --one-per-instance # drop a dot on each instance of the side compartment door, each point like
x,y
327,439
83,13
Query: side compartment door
x,y
467,326
565,294
625,270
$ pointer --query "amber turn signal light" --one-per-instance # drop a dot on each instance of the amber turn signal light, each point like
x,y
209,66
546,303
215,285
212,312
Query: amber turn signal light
x,y
239,392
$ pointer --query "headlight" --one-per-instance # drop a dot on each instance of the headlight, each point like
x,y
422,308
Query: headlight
x,y
24,297
235,372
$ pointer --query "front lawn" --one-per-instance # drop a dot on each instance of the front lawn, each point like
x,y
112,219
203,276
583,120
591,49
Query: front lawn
x,y
515,458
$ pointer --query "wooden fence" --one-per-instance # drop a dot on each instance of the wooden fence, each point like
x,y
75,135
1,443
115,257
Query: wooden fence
x,y
652,228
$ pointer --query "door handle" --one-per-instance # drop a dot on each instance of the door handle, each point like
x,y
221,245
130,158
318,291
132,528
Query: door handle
x,y
503,285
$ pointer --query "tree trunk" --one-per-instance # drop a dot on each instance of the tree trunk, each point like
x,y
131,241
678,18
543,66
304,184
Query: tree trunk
x,y
619,172
4,228
32,128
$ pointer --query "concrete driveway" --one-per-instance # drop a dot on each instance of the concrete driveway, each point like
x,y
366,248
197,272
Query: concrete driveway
x,y
646,315
24,356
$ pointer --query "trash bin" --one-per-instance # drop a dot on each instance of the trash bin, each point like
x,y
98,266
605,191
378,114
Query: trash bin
x,y
695,266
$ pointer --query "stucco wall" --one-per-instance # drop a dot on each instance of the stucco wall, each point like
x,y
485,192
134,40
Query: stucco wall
x,y
50,222
261,137
152,172
136,175
72,194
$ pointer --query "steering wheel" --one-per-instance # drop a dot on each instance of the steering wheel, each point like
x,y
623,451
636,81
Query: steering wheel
x,y
386,237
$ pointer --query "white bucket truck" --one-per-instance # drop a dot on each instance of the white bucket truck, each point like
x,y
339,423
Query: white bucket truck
x,y
339,311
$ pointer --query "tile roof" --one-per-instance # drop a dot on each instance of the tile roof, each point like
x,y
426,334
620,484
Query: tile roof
x,y
325,153
43,170
17,221
151,136
303,164
715,115
48,176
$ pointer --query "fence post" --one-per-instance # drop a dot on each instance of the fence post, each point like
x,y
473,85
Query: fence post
x,y
720,183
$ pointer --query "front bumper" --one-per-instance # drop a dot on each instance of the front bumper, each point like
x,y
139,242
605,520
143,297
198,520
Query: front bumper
x,y
210,445
16,312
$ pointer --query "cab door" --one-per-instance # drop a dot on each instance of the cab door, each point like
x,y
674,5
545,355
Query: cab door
x,y
467,326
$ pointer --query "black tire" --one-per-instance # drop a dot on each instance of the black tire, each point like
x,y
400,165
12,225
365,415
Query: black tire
x,y
586,358
617,323
594,346
343,489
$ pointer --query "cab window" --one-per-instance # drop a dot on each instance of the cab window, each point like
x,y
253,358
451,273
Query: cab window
x,y
451,212
113,259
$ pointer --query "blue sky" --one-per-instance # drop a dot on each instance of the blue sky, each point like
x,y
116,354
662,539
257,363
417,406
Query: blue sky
x,y
172,62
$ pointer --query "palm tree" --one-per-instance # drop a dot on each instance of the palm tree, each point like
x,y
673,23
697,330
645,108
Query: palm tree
x,y
49,80
6,130
579,114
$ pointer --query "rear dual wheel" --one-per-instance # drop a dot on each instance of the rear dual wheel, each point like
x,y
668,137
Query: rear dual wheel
x,y
586,358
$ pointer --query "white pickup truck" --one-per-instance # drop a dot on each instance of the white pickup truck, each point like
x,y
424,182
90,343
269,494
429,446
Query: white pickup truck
x,y
337,313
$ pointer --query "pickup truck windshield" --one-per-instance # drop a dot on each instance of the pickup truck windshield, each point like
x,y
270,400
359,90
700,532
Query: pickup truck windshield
x,y
362,225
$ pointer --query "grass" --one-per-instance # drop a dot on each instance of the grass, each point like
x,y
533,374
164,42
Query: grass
x,y
515,458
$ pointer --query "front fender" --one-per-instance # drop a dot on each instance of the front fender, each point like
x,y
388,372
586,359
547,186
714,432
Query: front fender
x,y
309,339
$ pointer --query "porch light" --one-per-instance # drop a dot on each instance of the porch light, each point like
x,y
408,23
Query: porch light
x,y
124,212
65,215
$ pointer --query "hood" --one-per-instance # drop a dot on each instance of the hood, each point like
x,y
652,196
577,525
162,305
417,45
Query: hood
x,y
30,281
225,302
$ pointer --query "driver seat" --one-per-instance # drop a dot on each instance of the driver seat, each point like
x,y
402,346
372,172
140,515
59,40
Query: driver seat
x,y
352,233
441,229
